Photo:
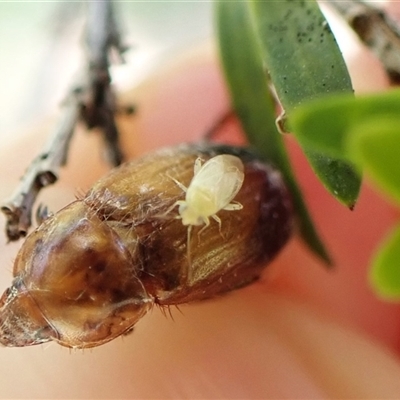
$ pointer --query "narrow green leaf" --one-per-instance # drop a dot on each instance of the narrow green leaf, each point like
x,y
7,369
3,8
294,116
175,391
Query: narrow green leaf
x,y
305,63
375,146
341,176
299,51
385,272
248,85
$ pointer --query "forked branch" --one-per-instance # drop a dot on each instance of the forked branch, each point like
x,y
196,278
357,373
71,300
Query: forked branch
x,y
90,100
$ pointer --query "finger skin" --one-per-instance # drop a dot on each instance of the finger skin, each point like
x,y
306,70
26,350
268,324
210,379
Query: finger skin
x,y
300,332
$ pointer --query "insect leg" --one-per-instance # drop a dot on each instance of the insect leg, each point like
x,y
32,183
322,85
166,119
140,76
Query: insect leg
x,y
235,205
206,224
177,203
218,219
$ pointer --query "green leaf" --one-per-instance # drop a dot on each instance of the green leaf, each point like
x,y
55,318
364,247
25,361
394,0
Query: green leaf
x,y
336,116
304,63
375,146
341,176
323,126
385,272
366,131
248,85
299,51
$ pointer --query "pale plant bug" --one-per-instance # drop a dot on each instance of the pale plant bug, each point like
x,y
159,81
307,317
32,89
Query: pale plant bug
x,y
212,189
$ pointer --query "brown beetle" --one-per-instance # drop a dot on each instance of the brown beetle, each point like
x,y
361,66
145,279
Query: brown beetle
x,y
88,273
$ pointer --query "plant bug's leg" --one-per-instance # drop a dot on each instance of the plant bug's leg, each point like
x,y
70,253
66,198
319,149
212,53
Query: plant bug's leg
x,y
206,225
235,205
218,219
177,203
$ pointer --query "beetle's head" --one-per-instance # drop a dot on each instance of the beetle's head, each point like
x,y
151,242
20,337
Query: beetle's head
x,y
74,283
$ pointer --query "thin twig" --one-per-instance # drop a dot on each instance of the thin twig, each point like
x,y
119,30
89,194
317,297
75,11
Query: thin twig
x,y
102,38
91,100
43,171
376,30
219,124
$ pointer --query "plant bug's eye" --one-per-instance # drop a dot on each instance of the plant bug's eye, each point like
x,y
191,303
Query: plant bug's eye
x,y
93,269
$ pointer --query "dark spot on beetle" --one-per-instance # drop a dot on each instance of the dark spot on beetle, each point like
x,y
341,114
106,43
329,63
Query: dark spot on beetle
x,y
99,267
118,295
38,245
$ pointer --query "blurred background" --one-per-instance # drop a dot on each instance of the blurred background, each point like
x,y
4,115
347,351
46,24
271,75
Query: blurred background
x,y
42,48
238,340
